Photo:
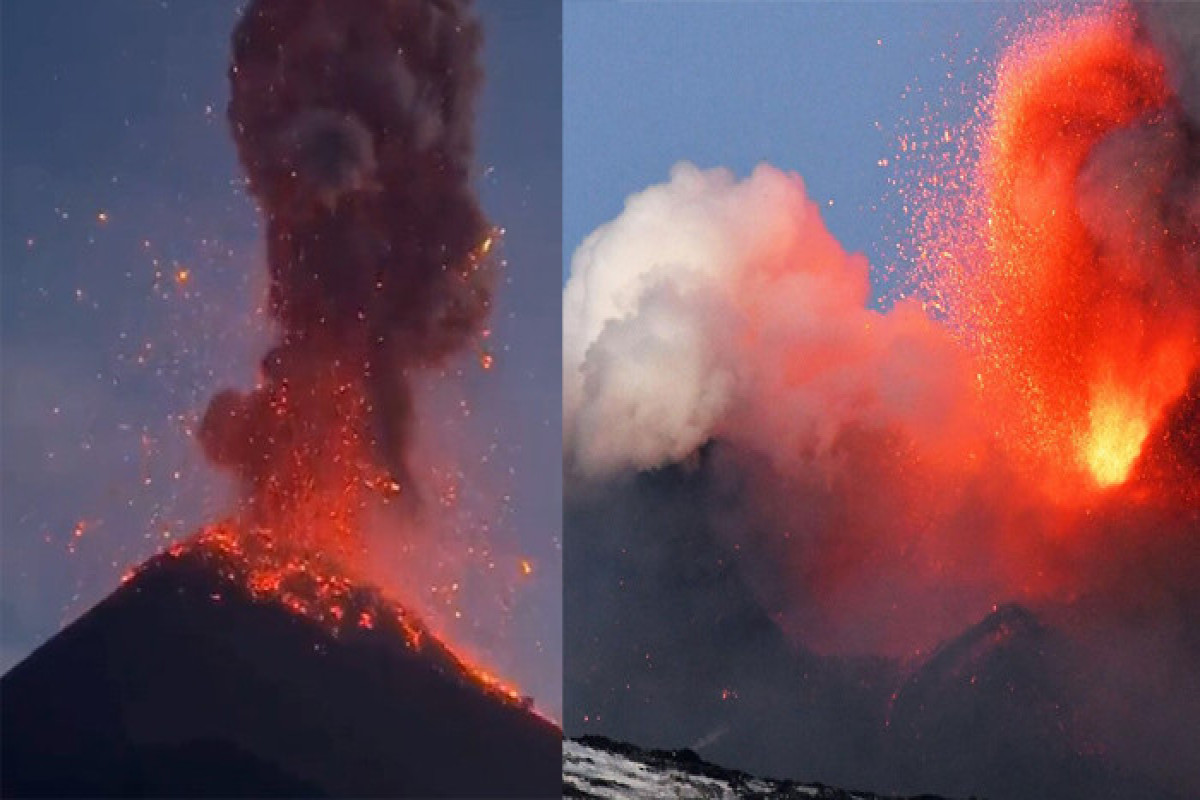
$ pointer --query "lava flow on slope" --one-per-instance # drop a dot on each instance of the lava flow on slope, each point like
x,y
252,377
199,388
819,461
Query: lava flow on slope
x,y
194,679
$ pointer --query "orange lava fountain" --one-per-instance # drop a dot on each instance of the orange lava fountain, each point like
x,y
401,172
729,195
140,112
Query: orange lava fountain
x,y
1083,325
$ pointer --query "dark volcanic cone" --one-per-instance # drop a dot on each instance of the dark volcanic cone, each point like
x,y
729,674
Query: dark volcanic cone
x,y
672,643
997,711
664,624
185,683
989,699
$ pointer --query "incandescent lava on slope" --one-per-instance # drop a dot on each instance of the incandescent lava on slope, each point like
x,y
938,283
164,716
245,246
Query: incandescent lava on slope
x,y
187,681
315,586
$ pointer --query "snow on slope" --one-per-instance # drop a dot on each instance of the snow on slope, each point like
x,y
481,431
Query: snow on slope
x,y
600,769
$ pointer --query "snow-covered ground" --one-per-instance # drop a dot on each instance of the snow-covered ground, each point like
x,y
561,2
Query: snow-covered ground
x,y
604,770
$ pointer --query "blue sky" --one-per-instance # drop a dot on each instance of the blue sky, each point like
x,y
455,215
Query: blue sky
x,y
117,165
819,88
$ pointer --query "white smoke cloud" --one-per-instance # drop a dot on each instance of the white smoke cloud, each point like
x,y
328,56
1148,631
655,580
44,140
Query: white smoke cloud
x,y
718,307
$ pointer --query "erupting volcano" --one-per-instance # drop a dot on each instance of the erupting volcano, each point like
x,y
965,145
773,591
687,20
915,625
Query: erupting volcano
x,y
842,480
354,123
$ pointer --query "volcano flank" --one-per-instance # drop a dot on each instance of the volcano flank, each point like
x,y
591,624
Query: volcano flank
x,y
184,682
1023,701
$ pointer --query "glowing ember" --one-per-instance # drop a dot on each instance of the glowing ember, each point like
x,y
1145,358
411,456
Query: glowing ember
x,y
490,681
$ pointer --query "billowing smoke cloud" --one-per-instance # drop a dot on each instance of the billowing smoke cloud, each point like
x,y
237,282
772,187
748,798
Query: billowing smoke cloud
x,y
765,467
718,308
353,121
714,309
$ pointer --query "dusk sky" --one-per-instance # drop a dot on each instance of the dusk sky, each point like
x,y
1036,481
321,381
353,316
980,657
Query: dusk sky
x,y
132,268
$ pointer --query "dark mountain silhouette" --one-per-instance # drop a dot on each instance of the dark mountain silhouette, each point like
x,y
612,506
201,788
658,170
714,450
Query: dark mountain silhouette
x,y
995,711
182,683
667,642
670,643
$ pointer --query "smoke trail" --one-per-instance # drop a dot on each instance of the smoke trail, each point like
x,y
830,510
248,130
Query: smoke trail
x,y
353,121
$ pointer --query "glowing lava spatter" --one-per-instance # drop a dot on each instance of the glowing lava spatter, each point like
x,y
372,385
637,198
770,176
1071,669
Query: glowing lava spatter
x,y
1055,264
273,569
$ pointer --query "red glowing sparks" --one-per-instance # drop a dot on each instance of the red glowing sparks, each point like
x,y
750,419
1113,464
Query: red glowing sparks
x,y
1081,345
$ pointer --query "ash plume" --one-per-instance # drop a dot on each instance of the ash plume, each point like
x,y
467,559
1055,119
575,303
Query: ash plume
x,y
1173,29
714,309
354,123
